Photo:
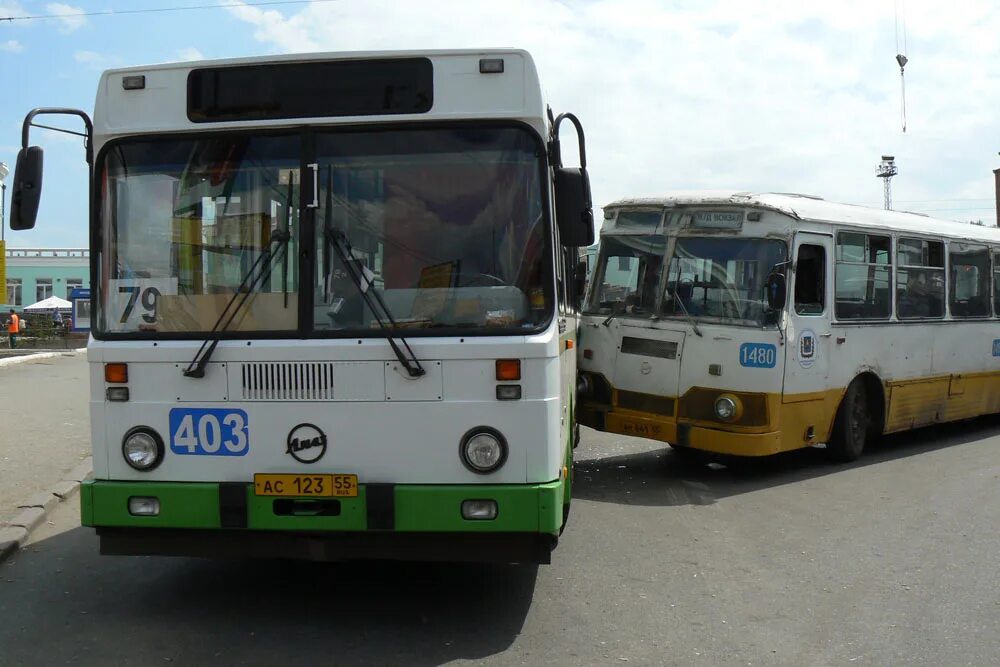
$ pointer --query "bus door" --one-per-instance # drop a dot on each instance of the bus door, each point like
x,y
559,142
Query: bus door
x,y
810,309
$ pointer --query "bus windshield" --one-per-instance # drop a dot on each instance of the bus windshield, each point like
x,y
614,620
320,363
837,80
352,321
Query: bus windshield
x,y
627,277
721,280
446,225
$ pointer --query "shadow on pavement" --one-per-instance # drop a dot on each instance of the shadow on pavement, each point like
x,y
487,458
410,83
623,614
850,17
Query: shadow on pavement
x,y
65,604
662,477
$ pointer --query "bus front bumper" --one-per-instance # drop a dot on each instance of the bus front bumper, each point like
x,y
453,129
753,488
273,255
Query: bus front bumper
x,y
390,521
717,440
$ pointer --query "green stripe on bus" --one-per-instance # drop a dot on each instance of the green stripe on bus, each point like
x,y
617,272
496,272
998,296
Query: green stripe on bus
x,y
521,508
182,505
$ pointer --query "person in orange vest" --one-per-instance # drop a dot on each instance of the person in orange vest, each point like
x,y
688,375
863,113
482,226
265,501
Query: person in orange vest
x,y
13,327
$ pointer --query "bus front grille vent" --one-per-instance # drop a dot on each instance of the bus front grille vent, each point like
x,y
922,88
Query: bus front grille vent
x,y
287,381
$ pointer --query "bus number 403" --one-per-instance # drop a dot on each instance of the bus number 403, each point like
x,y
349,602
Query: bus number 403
x,y
209,432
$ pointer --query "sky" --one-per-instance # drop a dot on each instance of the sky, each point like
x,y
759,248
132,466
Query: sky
x,y
778,96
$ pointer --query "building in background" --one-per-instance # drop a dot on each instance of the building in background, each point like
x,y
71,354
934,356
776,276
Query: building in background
x,y
34,274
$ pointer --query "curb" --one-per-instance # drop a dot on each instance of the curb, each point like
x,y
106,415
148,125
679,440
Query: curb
x,y
13,361
36,509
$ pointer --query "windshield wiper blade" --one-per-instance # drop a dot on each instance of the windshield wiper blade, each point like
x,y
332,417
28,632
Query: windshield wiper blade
x,y
690,318
362,283
250,282
343,247
679,300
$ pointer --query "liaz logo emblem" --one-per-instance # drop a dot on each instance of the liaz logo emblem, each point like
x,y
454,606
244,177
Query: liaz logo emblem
x,y
306,443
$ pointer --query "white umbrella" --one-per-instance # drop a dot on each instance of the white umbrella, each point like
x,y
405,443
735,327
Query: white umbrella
x,y
52,303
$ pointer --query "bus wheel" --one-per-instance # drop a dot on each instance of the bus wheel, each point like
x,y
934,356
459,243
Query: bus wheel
x,y
851,426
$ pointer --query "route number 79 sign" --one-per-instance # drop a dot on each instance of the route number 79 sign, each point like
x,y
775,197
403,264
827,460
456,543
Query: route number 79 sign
x,y
132,302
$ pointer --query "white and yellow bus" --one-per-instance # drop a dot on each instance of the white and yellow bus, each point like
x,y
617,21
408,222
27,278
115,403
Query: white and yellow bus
x,y
333,309
751,324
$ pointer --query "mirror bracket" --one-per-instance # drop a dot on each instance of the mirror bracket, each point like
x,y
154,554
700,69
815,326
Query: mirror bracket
x,y
574,205
60,111
27,187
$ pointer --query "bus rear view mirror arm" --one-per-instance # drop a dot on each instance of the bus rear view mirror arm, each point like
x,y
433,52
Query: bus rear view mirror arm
x,y
27,191
574,207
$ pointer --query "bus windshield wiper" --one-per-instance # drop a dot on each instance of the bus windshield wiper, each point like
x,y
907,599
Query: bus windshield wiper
x,y
680,301
364,284
365,287
690,318
259,272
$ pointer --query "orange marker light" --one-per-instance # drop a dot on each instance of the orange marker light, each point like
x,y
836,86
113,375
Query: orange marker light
x,y
508,369
569,344
116,373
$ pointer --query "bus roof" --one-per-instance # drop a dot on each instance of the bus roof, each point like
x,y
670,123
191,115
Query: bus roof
x,y
812,208
460,90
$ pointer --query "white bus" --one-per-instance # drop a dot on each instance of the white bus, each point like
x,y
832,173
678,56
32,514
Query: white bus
x,y
332,307
688,337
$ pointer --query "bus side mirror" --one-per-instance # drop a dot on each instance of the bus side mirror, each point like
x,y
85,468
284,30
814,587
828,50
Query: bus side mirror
x,y
776,291
27,191
574,209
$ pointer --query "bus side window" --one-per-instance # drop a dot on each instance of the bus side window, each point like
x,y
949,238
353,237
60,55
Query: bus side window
x,y
969,286
996,284
864,267
919,278
810,280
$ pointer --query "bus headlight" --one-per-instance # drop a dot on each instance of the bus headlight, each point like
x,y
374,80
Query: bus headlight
x,y
483,450
728,408
142,448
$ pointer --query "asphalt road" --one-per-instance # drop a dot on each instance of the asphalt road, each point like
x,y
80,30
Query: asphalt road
x,y
44,425
789,561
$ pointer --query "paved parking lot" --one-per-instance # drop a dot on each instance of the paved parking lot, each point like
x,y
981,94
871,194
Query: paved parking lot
x,y
789,561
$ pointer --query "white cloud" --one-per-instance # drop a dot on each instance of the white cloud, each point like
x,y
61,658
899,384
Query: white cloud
x,y
88,57
190,53
11,46
12,9
69,18
91,59
782,95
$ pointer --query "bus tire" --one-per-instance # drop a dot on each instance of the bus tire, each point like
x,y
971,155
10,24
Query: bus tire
x,y
851,426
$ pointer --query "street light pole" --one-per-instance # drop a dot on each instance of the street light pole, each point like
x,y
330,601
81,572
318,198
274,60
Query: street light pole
x,y
3,223
3,197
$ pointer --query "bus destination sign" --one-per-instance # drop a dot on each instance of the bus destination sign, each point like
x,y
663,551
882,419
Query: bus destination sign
x,y
717,219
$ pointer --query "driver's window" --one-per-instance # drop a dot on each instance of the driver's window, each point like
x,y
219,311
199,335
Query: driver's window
x,y
810,280
629,275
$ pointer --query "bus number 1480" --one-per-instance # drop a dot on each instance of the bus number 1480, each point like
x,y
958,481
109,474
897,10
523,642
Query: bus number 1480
x,y
758,355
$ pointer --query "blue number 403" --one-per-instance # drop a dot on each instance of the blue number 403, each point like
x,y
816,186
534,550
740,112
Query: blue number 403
x,y
209,432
